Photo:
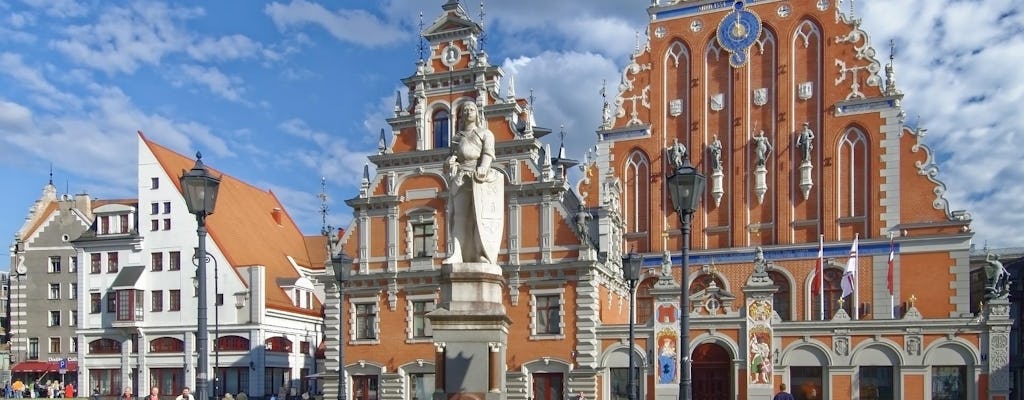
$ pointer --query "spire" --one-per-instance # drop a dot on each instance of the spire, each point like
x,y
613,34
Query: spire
x,y
561,146
324,229
483,32
364,185
606,113
890,72
511,90
398,102
51,175
421,47
382,143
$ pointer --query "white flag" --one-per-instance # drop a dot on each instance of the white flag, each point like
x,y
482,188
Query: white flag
x,y
849,282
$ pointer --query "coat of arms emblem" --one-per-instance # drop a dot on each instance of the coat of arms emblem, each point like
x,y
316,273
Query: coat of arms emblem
x,y
805,90
718,101
760,96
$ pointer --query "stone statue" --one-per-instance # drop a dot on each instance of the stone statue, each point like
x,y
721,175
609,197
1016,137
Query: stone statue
x,y
998,279
762,148
716,153
760,263
666,264
476,205
678,153
583,218
805,141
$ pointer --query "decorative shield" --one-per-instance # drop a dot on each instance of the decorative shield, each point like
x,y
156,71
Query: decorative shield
x,y
806,90
675,107
489,207
718,101
760,96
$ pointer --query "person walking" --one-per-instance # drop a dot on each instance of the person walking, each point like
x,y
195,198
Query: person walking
x,y
126,394
186,394
783,394
154,393
19,389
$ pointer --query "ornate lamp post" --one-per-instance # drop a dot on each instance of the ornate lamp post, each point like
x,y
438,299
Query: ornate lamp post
x,y
633,263
216,315
200,191
341,262
686,187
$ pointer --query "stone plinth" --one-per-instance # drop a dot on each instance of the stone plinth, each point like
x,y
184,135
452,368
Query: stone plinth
x,y
470,330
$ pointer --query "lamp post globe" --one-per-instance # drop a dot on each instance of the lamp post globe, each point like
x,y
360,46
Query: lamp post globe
x,y
199,188
686,187
632,264
341,263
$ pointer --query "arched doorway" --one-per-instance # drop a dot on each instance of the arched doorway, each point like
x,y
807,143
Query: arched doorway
x,y
711,372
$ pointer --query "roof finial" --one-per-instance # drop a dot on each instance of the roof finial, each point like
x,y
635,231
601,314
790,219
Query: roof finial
x,y
421,47
531,97
890,71
382,143
51,174
324,229
853,13
606,114
483,32
510,91
636,47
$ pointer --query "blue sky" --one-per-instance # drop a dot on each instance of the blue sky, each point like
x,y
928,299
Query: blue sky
x,y
281,93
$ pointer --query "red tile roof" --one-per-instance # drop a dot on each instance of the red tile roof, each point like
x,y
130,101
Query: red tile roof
x,y
246,230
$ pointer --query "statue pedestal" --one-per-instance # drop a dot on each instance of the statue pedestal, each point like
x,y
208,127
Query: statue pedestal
x,y
806,183
470,330
760,182
717,189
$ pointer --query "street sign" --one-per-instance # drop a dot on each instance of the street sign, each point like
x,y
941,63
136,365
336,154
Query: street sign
x,y
62,366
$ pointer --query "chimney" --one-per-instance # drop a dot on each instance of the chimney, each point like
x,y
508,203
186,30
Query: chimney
x,y
276,214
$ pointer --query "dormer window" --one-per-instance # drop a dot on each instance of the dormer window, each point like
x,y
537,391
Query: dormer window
x,y
442,122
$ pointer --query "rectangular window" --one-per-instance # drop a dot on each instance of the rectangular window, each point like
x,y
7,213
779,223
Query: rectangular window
x,y
154,225
420,322
129,305
167,207
73,318
158,300
33,348
73,267
73,290
548,319
876,383
366,321
104,225
167,224
95,264
154,183
174,302
157,261
94,303
111,302
174,261
54,265
304,347
107,380
423,240
548,386
421,386
220,299
55,345
364,387
949,382
54,318
806,382
54,291
154,208
620,381
124,224
112,262
74,345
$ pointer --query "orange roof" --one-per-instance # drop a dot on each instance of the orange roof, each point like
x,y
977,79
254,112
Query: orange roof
x,y
251,227
42,217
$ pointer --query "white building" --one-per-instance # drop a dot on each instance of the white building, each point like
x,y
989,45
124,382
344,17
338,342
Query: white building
x,y
139,298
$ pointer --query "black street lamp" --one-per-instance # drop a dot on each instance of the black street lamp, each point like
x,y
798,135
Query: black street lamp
x,y
686,187
200,191
341,262
631,271
216,314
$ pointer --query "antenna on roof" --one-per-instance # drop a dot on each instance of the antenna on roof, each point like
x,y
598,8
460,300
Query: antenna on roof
x,y
324,229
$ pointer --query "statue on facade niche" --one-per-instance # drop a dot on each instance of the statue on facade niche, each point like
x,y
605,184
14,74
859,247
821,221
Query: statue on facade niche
x,y
476,205
716,153
583,218
805,141
998,279
761,265
678,154
762,148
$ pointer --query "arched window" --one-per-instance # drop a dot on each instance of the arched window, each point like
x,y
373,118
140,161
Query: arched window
x,y
852,164
233,343
638,192
704,281
104,346
442,132
278,344
166,345
833,290
780,300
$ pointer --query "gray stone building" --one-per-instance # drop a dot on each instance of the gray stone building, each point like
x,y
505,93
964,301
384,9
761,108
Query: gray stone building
x,y
44,287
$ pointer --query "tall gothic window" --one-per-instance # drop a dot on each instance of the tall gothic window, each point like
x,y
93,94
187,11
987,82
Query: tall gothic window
x,y
442,122
852,174
780,300
638,192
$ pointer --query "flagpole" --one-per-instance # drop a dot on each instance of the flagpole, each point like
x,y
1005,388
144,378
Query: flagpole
x,y
891,277
821,277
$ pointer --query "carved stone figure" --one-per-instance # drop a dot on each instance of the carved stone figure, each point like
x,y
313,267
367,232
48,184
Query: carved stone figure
x,y
583,218
477,200
998,280
805,141
760,263
762,148
716,153
678,153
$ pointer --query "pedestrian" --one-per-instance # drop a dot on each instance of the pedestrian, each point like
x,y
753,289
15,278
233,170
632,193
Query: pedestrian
x,y
19,389
783,394
69,391
186,394
126,394
154,393
96,393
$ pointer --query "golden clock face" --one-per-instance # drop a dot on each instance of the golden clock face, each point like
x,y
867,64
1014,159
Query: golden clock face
x,y
738,30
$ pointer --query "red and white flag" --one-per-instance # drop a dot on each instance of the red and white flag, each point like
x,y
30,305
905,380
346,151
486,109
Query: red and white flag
x,y
849,281
892,255
817,285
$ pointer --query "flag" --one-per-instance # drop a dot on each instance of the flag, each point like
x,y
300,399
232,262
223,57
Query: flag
x,y
849,281
892,255
816,283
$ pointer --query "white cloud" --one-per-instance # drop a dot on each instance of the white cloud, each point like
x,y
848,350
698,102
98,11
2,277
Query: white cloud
x,y
332,156
230,47
14,117
221,84
59,8
349,25
30,77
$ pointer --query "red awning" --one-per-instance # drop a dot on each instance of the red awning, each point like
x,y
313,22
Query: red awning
x,y
42,366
